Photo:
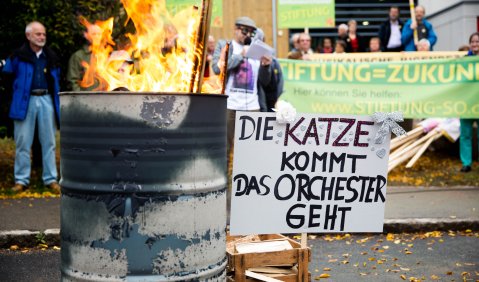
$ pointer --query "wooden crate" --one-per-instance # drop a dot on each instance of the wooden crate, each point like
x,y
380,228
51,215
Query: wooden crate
x,y
297,258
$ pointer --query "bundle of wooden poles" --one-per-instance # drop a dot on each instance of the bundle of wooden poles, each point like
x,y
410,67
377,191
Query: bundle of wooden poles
x,y
200,47
415,142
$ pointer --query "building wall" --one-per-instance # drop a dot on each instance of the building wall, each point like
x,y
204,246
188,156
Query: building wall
x,y
261,12
453,23
433,6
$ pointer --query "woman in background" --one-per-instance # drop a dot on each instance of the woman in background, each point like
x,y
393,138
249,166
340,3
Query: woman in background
x,y
465,141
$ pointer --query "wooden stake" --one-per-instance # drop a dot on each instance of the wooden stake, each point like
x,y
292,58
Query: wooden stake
x,y
304,240
403,158
394,155
224,71
413,19
412,132
416,143
206,34
405,140
423,149
201,38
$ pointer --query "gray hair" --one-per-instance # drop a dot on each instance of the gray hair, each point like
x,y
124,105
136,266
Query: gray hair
x,y
259,34
29,27
343,26
294,38
425,41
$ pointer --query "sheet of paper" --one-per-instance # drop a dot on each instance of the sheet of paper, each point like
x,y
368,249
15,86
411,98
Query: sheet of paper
x,y
263,247
257,49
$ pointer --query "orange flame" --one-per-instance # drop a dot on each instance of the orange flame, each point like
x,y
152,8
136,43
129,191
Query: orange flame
x,y
163,51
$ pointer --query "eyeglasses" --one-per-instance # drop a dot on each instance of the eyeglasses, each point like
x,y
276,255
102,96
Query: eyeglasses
x,y
245,31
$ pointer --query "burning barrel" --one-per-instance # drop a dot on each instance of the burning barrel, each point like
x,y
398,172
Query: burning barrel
x,y
143,186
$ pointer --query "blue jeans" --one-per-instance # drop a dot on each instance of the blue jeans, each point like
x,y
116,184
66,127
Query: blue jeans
x,y
40,108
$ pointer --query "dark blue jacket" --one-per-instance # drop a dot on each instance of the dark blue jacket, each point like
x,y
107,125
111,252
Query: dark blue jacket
x,y
21,66
407,36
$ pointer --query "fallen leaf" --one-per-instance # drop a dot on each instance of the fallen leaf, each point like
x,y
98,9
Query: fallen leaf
x,y
403,277
408,252
380,262
362,274
371,259
14,247
324,275
364,253
434,277
405,269
385,247
410,245
458,264
316,270
468,230
380,251
449,273
327,269
345,255
332,260
453,216
345,262
397,242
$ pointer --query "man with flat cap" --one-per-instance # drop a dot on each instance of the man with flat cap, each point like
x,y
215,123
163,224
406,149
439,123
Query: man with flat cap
x,y
244,76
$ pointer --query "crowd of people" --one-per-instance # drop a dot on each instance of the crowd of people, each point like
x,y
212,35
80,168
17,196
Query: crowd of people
x,y
393,36
251,84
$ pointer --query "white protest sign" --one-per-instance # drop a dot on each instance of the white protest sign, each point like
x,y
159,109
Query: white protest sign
x,y
320,173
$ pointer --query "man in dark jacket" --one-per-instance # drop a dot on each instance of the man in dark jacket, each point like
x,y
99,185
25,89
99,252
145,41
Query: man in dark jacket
x,y
390,32
36,75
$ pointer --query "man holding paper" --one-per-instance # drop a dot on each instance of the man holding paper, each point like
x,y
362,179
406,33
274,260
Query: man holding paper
x,y
244,76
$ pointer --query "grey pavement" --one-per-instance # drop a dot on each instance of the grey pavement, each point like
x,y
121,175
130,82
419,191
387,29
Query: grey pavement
x,y
407,209
369,258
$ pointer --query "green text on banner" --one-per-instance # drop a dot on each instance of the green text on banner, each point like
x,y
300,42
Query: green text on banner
x,y
433,88
305,13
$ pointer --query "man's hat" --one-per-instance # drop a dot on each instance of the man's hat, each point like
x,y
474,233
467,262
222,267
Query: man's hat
x,y
245,21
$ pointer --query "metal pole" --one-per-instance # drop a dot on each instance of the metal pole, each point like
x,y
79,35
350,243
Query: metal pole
x,y
275,26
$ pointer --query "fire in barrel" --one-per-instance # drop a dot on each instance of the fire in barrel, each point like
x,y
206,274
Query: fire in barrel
x,y
144,171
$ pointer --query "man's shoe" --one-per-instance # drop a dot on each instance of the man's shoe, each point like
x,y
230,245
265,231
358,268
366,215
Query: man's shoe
x,y
466,168
55,187
19,188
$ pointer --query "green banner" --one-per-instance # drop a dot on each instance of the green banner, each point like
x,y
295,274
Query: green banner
x,y
434,88
306,13
175,6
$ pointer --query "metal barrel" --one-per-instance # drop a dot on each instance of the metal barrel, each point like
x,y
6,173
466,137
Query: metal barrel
x,y
143,179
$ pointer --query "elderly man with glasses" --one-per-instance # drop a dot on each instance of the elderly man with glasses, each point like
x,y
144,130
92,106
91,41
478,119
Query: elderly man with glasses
x,y
304,51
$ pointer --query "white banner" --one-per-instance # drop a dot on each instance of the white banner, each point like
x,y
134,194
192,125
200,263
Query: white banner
x,y
321,173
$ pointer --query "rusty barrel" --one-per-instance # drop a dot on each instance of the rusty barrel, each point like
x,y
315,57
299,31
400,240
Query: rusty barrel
x,y
143,179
